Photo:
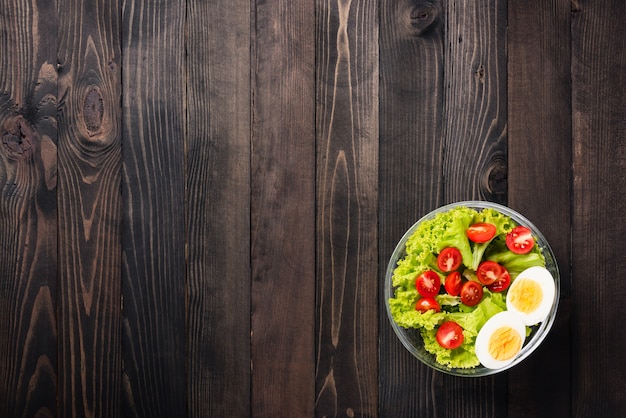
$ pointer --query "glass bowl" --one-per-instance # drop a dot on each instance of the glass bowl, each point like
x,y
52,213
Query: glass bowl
x,y
412,339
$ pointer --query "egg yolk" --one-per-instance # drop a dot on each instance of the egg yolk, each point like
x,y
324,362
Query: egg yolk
x,y
527,296
504,343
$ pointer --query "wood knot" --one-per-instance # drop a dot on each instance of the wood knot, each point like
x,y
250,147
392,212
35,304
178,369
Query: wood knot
x,y
423,16
112,66
18,138
497,178
480,74
93,110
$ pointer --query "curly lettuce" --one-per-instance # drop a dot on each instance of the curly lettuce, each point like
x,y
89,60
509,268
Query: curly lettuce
x,y
514,263
471,321
402,308
503,225
448,229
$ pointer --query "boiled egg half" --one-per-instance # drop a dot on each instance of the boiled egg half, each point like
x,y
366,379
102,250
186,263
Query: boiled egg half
x,y
531,295
500,340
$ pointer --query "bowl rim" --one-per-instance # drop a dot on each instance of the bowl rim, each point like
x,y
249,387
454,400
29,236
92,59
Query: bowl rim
x,y
538,335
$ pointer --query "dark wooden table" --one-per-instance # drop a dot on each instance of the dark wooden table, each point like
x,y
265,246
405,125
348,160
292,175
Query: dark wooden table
x,y
198,200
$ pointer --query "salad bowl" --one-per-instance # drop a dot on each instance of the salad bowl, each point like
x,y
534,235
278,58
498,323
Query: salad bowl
x,y
412,339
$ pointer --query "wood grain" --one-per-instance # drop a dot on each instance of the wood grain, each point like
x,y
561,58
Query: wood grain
x,y
539,119
410,155
475,156
599,164
198,200
475,108
475,149
468,123
28,211
154,227
218,214
539,133
283,209
347,180
89,209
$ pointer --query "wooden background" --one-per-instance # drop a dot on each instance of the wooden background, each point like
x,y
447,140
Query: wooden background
x,y
198,199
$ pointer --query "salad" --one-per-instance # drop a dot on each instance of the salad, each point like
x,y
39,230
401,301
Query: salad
x,y
456,278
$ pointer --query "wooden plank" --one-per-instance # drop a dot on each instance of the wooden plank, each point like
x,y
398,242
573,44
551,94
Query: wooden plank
x,y
539,134
89,209
474,165
218,215
599,186
539,90
283,209
462,157
153,269
347,178
475,105
28,213
411,102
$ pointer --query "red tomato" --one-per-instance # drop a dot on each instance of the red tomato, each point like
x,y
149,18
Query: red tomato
x,y
490,271
502,283
450,335
428,283
481,232
520,240
471,293
449,259
453,283
426,304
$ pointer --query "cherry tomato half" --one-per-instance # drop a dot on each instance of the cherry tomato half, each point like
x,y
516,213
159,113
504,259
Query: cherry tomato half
x,y
450,335
449,259
481,232
426,304
501,284
428,283
490,271
471,293
453,283
520,240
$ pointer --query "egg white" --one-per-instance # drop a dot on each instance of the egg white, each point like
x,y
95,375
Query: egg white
x,y
497,321
544,279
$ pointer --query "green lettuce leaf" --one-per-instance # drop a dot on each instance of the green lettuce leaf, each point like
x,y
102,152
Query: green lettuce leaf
x,y
448,229
463,357
472,321
402,308
514,263
503,225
